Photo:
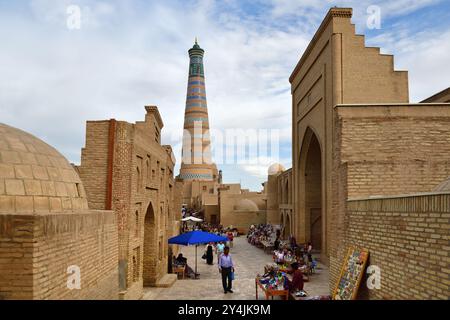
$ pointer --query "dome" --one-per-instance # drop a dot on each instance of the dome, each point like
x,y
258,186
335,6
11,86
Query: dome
x,y
35,177
444,186
275,168
246,205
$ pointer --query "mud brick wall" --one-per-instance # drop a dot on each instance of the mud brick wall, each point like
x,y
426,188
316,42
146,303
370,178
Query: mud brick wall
x,y
408,239
94,163
36,250
392,152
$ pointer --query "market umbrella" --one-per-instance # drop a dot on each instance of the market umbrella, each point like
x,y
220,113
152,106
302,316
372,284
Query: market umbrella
x,y
194,219
195,238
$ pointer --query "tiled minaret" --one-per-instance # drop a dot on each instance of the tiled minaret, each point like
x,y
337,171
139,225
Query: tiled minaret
x,y
196,154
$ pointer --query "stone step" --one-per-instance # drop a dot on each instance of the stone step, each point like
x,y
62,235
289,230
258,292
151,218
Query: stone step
x,y
166,281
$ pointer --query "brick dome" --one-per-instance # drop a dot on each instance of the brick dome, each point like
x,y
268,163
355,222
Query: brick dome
x,y
275,168
35,177
444,186
246,205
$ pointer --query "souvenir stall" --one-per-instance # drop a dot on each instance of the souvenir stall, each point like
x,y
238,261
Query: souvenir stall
x,y
262,236
279,274
273,284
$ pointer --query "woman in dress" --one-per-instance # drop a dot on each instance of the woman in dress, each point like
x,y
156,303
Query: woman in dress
x,y
209,254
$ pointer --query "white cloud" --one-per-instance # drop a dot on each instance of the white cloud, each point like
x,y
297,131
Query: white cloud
x,y
262,164
128,54
423,54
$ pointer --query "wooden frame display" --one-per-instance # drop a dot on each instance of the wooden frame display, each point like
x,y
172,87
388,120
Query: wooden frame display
x,y
351,274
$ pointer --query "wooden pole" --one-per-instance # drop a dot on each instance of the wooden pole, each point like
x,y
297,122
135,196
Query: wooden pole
x,y
196,261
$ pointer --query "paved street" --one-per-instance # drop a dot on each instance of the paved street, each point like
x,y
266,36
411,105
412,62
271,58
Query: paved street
x,y
249,261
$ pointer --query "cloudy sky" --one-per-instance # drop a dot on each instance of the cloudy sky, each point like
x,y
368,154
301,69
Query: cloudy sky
x,y
131,53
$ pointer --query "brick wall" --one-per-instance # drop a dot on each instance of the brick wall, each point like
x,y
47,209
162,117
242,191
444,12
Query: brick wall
x,y
141,191
388,150
232,213
273,192
16,256
36,250
409,239
394,150
242,220
94,163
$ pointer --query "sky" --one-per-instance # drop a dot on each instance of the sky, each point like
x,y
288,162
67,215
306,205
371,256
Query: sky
x,y
130,53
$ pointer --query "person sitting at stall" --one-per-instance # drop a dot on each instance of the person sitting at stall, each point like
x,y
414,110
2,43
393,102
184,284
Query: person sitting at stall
x,y
180,260
288,256
304,268
278,257
297,282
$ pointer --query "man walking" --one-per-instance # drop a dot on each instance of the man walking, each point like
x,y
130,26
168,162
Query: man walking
x,y
219,248
226,267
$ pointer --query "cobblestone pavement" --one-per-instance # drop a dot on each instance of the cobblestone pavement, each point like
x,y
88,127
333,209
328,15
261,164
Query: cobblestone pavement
x,y
248,260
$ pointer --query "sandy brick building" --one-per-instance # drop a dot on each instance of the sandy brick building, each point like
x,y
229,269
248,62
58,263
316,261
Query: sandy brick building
x,y
271,189
278,193
366,164
125,168
284,202
442,96
240,208
48,230
203,197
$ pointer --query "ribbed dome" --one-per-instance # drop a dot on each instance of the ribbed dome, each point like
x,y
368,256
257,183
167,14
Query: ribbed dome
x,y
35,177
246,205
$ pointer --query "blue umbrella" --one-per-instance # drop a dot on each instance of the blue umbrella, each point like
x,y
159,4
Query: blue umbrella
x,y
196,237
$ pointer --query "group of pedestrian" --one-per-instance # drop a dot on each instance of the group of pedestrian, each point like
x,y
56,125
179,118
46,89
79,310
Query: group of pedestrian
x,y
260,233
224,262
211,227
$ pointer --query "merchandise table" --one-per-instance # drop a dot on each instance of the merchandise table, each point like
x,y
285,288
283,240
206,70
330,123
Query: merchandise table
x,y
267,246
270,292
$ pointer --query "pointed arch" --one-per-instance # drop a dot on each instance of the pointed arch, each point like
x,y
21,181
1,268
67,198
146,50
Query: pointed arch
x,y
310,189
149,273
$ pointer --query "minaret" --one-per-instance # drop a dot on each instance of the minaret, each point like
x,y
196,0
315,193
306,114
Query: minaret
x,y
196,154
